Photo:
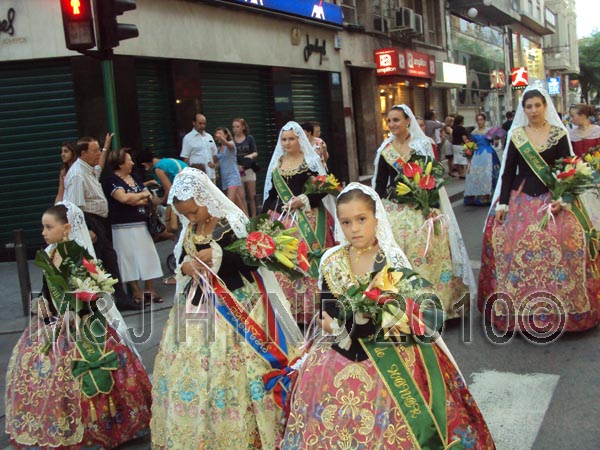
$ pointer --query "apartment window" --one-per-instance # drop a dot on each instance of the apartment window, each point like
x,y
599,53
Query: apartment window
x,y
516,5
530,7
550,18
349,11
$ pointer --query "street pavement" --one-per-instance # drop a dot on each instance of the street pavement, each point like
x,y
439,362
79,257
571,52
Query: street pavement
x,y
540,397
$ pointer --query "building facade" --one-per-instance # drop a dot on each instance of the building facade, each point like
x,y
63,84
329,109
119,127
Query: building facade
x,y
224,59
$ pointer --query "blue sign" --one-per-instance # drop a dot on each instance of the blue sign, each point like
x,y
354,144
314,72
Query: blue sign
x,y
316,10
554,85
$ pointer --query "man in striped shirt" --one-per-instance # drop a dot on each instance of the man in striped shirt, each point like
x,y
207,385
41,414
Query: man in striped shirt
x,y
83,188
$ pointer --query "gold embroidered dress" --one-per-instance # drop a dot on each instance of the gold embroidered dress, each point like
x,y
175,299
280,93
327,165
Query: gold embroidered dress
x,y
340,402
429,251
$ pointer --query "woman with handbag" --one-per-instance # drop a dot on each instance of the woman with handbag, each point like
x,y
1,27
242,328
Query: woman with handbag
x,y
128,212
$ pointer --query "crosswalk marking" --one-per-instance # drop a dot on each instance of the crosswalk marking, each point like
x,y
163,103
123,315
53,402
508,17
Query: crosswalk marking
x,y
513,415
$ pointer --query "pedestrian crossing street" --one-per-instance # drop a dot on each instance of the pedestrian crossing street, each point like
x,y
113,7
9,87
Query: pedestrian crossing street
x,y
513,405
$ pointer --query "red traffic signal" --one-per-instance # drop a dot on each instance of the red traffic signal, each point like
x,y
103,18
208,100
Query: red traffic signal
x,y
110,32
78,24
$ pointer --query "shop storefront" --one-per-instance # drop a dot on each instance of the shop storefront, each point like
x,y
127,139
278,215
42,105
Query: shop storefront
x,y
269,70
404,77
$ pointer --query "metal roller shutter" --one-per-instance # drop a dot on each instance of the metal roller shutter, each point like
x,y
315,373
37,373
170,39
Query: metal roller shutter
x,y
309,97
155,106
419,109
438,103
38,114
230,92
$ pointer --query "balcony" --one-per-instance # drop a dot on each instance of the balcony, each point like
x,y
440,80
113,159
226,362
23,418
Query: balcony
x,y
538,26
488,12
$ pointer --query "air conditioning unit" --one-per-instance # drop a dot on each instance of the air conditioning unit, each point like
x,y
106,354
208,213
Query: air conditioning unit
x,y
404,19
381,24
418,24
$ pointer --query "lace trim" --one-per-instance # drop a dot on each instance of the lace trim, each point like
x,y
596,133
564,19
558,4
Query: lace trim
x,y
303,167
555,135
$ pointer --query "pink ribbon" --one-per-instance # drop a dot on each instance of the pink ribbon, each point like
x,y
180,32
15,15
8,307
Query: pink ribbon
x,y
430,223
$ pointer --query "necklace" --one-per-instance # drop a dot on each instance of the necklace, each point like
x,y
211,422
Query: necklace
x,y
538,128
361,251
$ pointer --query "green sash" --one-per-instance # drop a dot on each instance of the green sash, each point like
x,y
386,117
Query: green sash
x,y
94,368
426,421
539,167
314,238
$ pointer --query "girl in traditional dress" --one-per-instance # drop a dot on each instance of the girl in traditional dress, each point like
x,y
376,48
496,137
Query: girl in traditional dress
x,y
484,167
293,162
532,279
440,257
209,391
65,390
343,397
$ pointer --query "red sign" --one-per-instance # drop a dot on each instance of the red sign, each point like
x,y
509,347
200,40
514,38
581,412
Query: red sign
x,y
392,61
518,78
387,61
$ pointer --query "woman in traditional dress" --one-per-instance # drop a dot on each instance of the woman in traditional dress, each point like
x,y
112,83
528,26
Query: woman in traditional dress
x,y
343,397
65,390
208,389
584,135
484,168
293,162
532,279
460,137
440,257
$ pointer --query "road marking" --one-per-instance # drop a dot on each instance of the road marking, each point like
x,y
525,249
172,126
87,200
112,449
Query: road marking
x,y
513,415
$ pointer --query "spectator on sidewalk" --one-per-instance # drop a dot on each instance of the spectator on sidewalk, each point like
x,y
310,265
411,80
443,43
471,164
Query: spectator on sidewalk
x,y
199,148
83,188
68,157
128,201
247,154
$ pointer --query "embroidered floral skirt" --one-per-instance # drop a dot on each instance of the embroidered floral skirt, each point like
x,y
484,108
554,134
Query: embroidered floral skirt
x,y
432,260
208,391
533,279
46,408
340,404
303,293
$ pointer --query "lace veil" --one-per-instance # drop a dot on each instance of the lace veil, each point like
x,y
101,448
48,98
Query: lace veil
x,y
419,142
394,255
312,159
79,230
193,183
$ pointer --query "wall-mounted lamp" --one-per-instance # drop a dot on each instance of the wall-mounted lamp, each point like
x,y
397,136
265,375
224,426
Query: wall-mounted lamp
x,y
487,2
472,13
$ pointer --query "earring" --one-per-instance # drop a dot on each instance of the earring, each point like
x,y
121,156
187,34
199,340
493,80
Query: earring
x,y
65,236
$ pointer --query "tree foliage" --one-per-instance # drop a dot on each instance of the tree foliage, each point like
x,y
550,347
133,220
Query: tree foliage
x,y
589,66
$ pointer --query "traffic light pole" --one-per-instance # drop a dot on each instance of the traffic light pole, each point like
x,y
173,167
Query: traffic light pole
x,y
111,99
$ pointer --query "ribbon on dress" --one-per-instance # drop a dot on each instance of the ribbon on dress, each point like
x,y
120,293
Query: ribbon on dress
x,y
430,225
270,345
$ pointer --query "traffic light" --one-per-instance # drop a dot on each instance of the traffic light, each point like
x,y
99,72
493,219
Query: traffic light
x,y
110,32
78,23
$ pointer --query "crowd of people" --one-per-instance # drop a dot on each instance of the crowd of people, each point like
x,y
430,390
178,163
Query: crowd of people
x,y
252,358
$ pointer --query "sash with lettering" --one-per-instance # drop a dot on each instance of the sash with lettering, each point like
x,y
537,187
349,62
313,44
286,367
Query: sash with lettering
x,y
392,157
537,164
315,238
427,421
269,344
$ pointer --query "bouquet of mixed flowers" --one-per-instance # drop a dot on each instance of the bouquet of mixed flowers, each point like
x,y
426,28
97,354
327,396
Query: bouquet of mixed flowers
x,y
322,184
592,157
469,149
271,245
394,300
79,280
566,179
418,182
75,287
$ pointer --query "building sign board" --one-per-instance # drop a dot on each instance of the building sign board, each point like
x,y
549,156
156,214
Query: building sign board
x,y
395,61
316,10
